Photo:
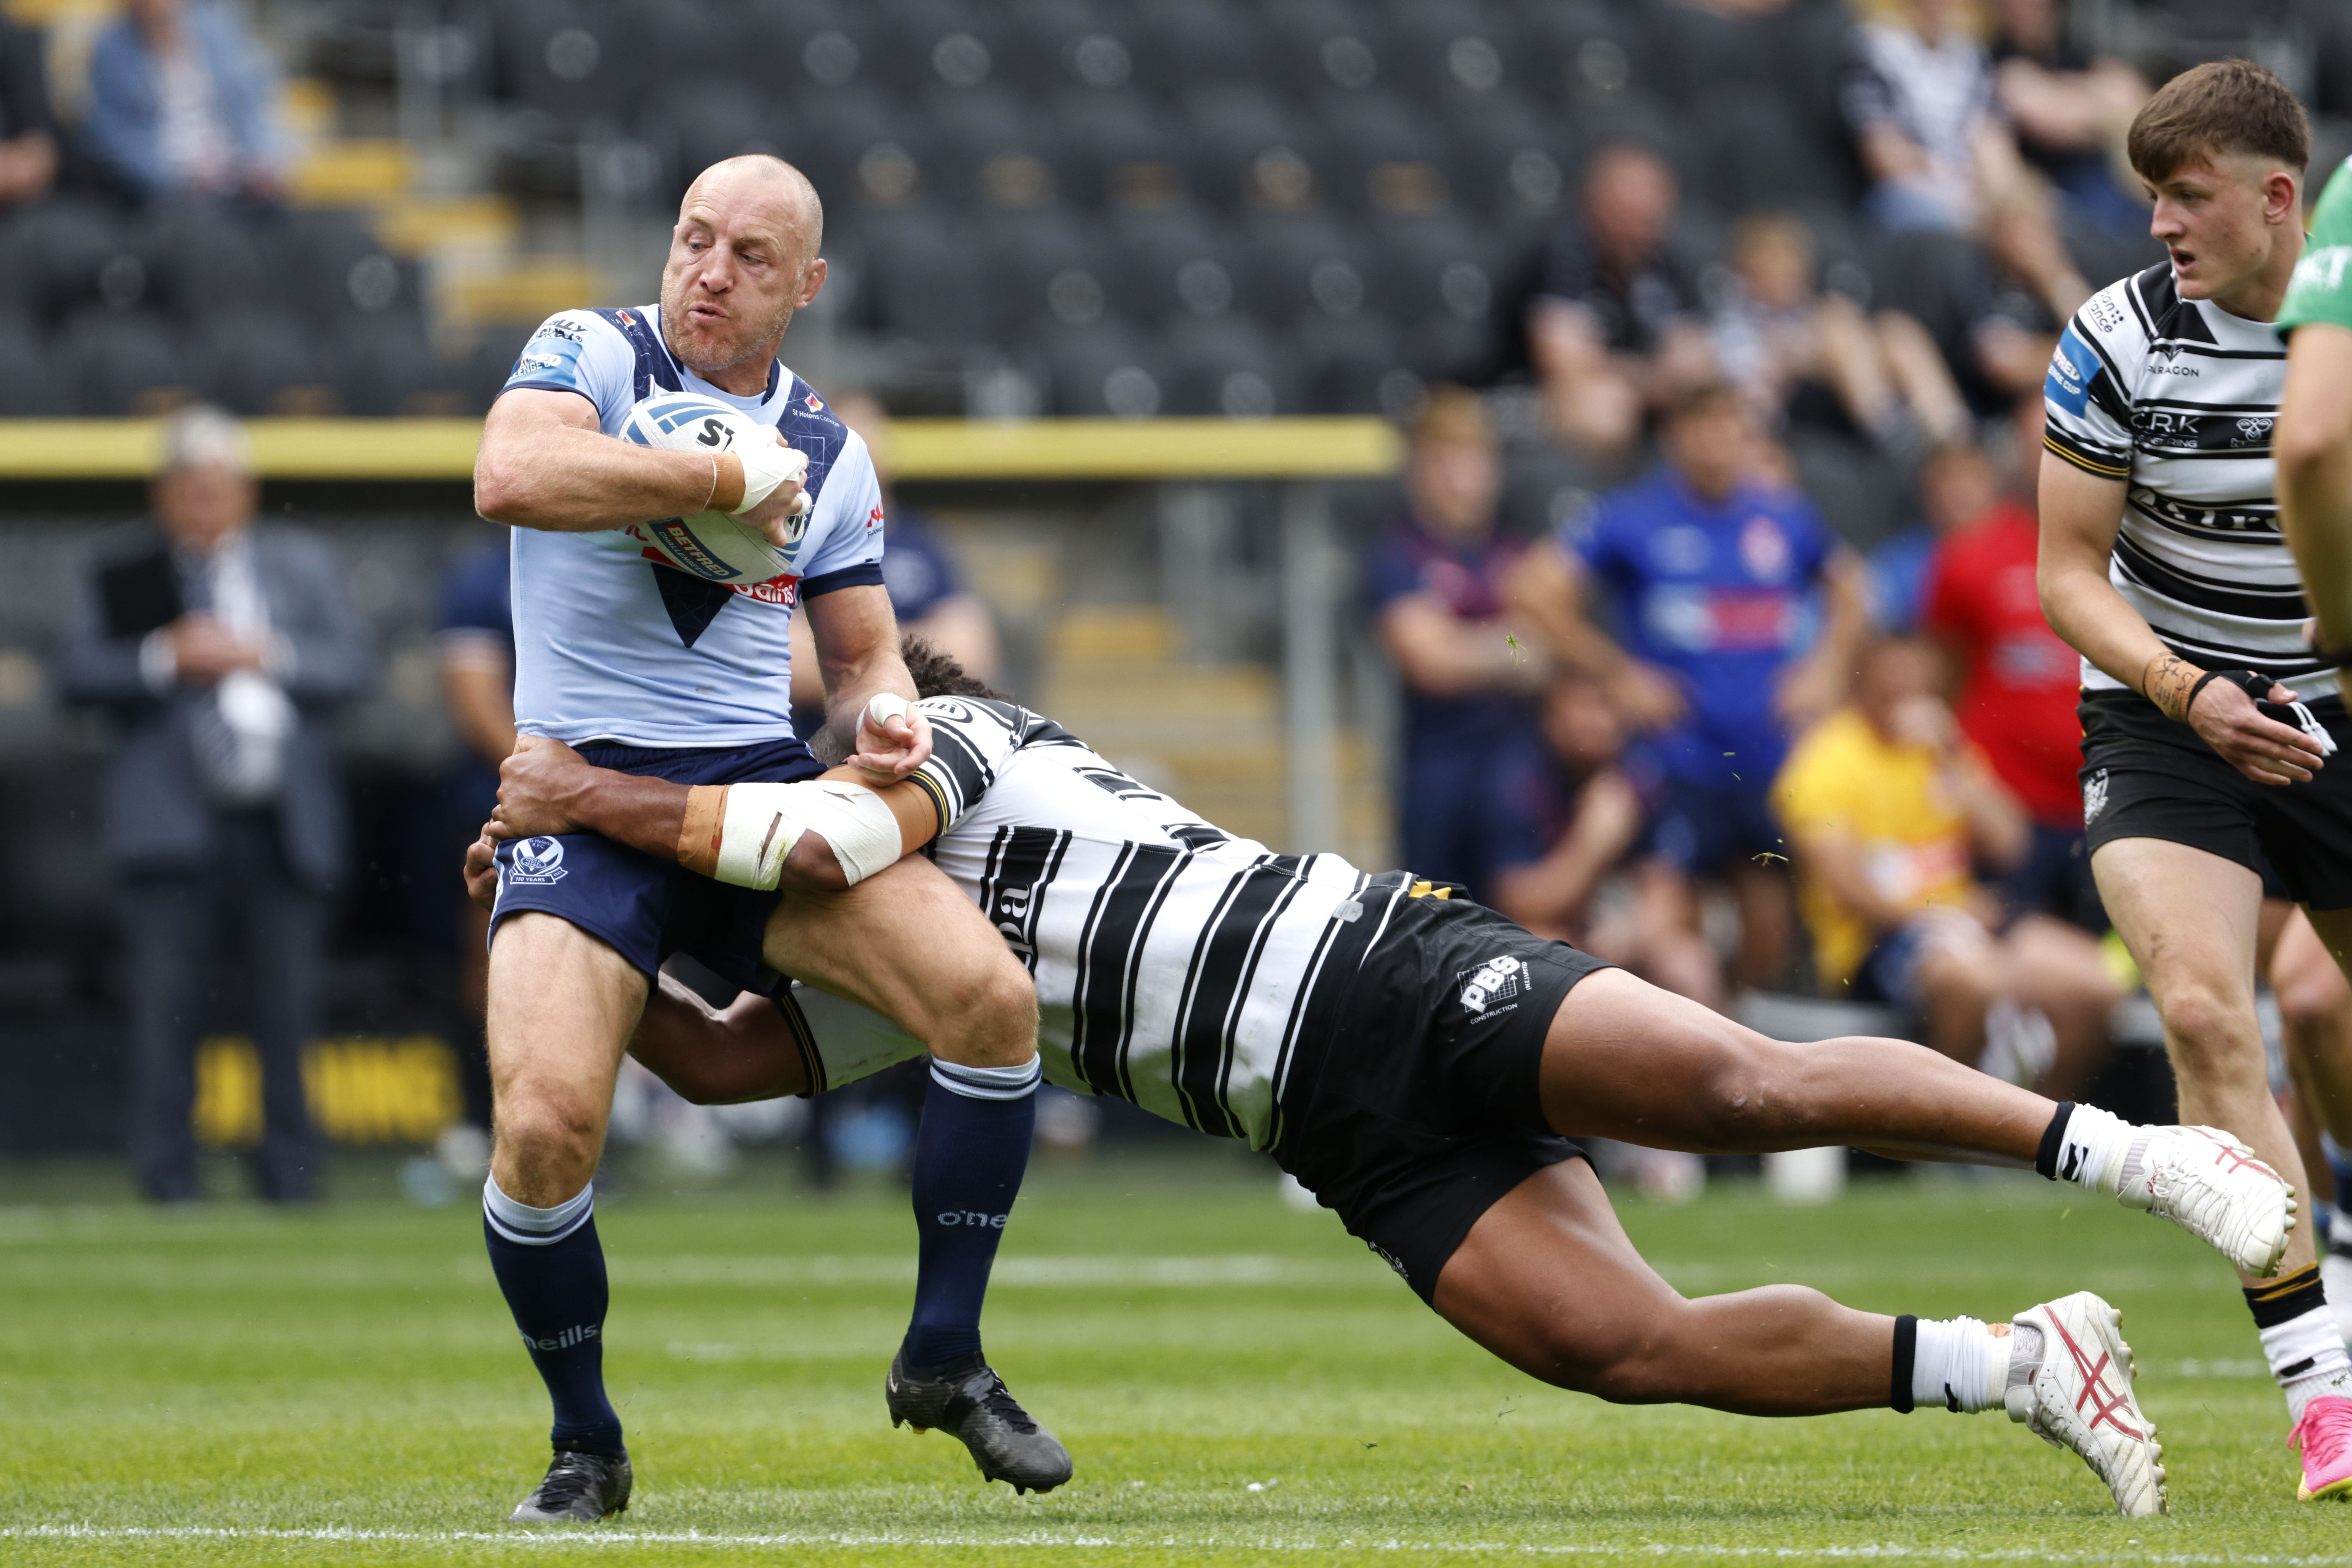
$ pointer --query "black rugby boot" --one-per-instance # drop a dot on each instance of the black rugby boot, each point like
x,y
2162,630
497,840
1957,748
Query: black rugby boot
x,y
579,1489
967,1400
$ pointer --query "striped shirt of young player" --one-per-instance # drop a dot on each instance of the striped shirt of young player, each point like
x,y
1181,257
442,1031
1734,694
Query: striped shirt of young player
x,y
1174,964
2177,397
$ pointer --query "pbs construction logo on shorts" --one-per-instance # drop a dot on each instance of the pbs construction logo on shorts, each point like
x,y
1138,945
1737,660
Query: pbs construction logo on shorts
x,y
1496,980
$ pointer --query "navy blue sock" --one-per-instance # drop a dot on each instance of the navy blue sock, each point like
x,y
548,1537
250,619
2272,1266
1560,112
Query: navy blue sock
x,y
552,1267
969,1153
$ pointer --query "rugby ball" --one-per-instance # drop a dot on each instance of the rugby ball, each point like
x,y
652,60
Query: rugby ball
x,y
711,545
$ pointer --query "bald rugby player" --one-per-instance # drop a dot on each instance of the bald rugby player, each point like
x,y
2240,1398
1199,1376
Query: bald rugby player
x,y
1415,1060
648,670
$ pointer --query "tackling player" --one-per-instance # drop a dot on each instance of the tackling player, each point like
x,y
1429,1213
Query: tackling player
x,y
2162,564
652,669
1414,1059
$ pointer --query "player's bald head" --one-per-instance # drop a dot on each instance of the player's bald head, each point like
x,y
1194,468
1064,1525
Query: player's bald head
x,y
765,189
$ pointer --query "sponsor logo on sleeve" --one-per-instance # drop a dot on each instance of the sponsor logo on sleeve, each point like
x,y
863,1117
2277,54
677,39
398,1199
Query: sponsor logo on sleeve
x,y
2068,385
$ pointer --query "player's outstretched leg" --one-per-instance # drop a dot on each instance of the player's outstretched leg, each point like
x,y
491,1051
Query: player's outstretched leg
x,y
1547,1280
1626,1060
908,944
562,1004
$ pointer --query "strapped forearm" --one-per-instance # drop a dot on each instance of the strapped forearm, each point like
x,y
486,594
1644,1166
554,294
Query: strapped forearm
x,y
743,834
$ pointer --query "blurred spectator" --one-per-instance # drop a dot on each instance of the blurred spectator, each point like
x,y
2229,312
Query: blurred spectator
x,y
1567,813
1782,341
1712,577
221,648
183,103
28,132
1888,805
1921,103
2018,683
1435,583
476,643
1612,329
927,593
2069,110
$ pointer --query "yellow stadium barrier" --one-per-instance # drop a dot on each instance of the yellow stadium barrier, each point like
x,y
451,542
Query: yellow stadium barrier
x,y
443,449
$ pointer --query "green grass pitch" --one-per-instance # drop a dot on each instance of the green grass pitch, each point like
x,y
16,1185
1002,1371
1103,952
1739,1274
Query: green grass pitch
x,y
1240,1384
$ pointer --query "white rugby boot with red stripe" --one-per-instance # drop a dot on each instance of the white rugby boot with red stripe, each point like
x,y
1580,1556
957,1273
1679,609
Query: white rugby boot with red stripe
x,y
2210,1185
2075,1391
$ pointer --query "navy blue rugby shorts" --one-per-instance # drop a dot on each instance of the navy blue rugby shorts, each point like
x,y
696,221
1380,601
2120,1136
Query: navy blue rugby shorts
x,y
647,908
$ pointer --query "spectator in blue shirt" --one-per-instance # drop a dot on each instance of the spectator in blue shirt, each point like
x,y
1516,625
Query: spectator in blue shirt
x,y
1737,616
1436,585
476,637
183,103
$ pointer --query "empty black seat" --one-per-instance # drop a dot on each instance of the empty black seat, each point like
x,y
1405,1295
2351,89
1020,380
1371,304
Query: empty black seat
x,y
28,390
1345,360
782,47
1105,370
1245,145
115,363
917,44
1380,152
1053,43
834,132
381,366
1181,45
490,362
571,61
1041,266
925,281
253,361
971,130
1574,51
1101,136
198,261
696,128
62,255
1453,51
1315,45
1755,153
1308,261
1227,367
1168,262
1507,162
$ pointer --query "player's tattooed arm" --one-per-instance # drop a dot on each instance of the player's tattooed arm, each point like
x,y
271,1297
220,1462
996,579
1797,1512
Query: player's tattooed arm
x,y
2168,681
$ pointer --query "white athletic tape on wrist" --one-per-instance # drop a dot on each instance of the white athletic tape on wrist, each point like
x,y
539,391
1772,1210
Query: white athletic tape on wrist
x,y
883,706
763,821
765,468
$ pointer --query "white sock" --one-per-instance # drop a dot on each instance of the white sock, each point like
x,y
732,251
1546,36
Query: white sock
x,y
520,1223
990,1083
2306,1356
2090,1151
1956,1363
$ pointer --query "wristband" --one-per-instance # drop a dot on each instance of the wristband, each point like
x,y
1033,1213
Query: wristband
x,y
2253,685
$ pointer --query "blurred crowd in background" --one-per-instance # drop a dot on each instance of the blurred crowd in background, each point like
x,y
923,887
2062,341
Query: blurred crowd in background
x,y
1719,331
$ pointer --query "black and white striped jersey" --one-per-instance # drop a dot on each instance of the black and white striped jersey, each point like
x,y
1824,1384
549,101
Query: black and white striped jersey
x,y
1173,961
2177,398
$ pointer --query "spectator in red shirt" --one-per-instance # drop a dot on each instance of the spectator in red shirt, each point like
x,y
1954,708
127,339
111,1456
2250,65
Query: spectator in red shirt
x,y
2018,683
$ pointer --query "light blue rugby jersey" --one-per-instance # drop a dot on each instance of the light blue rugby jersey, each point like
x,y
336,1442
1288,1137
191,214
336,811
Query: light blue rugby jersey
x,y
609,643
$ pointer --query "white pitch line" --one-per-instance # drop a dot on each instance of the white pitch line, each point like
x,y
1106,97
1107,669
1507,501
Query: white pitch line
x,y
610,1538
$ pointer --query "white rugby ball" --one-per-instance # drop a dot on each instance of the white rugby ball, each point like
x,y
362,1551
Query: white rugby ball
x,y
709,544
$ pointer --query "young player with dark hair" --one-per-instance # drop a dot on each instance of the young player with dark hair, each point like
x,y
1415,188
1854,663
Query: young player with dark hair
x,y
2163,564
1419,1062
